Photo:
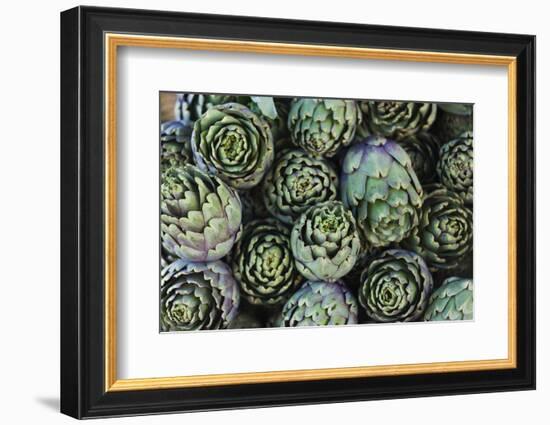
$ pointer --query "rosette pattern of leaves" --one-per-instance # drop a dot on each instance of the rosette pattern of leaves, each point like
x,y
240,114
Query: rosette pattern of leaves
x,y
189,107
197,296
233,143
263,263
297,181
380,187
395,287
200,215
320,304
456,166
322,126
325,242
454,300
423,150
397,119
444,236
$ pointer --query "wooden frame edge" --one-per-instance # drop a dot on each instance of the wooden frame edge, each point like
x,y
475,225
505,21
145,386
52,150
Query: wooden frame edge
x,y
114,40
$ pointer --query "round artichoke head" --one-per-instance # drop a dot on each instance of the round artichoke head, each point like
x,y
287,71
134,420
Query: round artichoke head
x,y
320,304
397,119
189,107
444,237
263,263
454,300
456,166
200,215
233,143
197,296
380,187
297,181
322,126
423,150
325,242
395,287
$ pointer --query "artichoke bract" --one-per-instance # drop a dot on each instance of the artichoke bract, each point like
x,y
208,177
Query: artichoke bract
x,y
263,264
423,150
200,215
456,166
397,119
395,287
189,107
197,296
325,242
297,181
454,300
444,236
320,304
322,126
175,145
234,144
380,187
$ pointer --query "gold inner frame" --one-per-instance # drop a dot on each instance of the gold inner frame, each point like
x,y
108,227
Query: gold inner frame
x,y
113,41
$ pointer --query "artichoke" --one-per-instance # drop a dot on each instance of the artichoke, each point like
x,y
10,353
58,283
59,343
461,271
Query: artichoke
x,y
423,150
233,143
395,287
200,215
325,242
380,187
197,296
296,182
189,107
320,304
452,120
444,236
277,123
263,263
322,126
397,120
453,301
456,166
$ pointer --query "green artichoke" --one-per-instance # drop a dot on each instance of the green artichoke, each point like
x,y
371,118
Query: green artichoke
x,y
295,182
200,215
277,123
397,120
320,304
189,107
325,242
395,287
423,150
263,263
456,166
453,301
322,126
233,143
197,296
380,187
444,236
452,120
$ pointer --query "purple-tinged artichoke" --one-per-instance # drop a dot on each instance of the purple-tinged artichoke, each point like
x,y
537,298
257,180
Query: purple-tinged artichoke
x,y
395,287
196,296
322,126
397,120
456,166
263,264
380,187
325,242
444,236
320,304
453,301
234,144
297,181
200,215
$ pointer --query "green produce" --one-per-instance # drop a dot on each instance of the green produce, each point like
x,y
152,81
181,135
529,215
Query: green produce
x,y
423,150
456,166
453,301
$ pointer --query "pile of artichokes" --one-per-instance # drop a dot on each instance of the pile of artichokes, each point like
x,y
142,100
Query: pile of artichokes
x,y
280,212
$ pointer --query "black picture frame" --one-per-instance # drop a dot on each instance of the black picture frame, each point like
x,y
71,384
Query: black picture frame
x,y
83,392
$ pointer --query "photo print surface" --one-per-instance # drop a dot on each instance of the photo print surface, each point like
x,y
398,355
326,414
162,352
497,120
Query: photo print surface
x,y
285,212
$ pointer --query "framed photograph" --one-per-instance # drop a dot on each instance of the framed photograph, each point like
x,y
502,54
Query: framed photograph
x,y
261,212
